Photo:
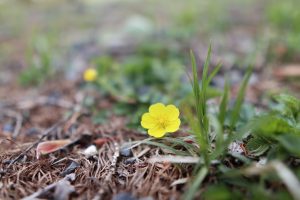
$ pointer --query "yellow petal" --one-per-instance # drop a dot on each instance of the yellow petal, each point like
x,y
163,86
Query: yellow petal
x,y
173,126
156,132
157,109
147,121
172,112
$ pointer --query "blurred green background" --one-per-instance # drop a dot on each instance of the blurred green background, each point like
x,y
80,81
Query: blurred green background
x,y
40,38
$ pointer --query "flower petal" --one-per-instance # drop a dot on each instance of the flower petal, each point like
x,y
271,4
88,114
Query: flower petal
x,y
157,109
173,126
156,132
172,112
147,121
90,75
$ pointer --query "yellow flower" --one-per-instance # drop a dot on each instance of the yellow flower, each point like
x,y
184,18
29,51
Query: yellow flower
x,y
90,75
161,119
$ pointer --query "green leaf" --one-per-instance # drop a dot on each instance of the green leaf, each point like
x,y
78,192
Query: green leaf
x,y
289,101
269,125
257,146
290,142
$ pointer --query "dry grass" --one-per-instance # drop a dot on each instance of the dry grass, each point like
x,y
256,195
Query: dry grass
x,y
96,177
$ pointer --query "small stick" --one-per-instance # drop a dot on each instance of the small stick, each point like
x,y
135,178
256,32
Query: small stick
x,y
112,170
113,162
18,127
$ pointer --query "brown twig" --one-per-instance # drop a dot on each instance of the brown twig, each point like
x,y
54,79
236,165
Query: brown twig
x,y
111,171
113,162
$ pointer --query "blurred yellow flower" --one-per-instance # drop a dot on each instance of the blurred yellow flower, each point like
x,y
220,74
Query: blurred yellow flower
x,y
90,75
161,119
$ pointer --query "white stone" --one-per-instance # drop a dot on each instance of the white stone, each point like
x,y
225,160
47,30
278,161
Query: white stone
x,y
90,151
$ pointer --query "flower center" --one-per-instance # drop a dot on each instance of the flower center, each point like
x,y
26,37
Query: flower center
x,y
163,122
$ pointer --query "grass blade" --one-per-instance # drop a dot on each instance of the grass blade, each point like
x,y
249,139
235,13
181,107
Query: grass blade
x,y
219,137
196,183
240,99
163,146
192,149
195,84
214,72
203,94
223,104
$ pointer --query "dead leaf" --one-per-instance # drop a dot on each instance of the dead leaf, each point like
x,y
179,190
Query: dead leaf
x,y
47,147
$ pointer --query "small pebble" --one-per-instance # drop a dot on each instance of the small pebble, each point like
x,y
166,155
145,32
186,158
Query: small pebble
x,y
124,196
70,169
126,152
129,161
90,151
